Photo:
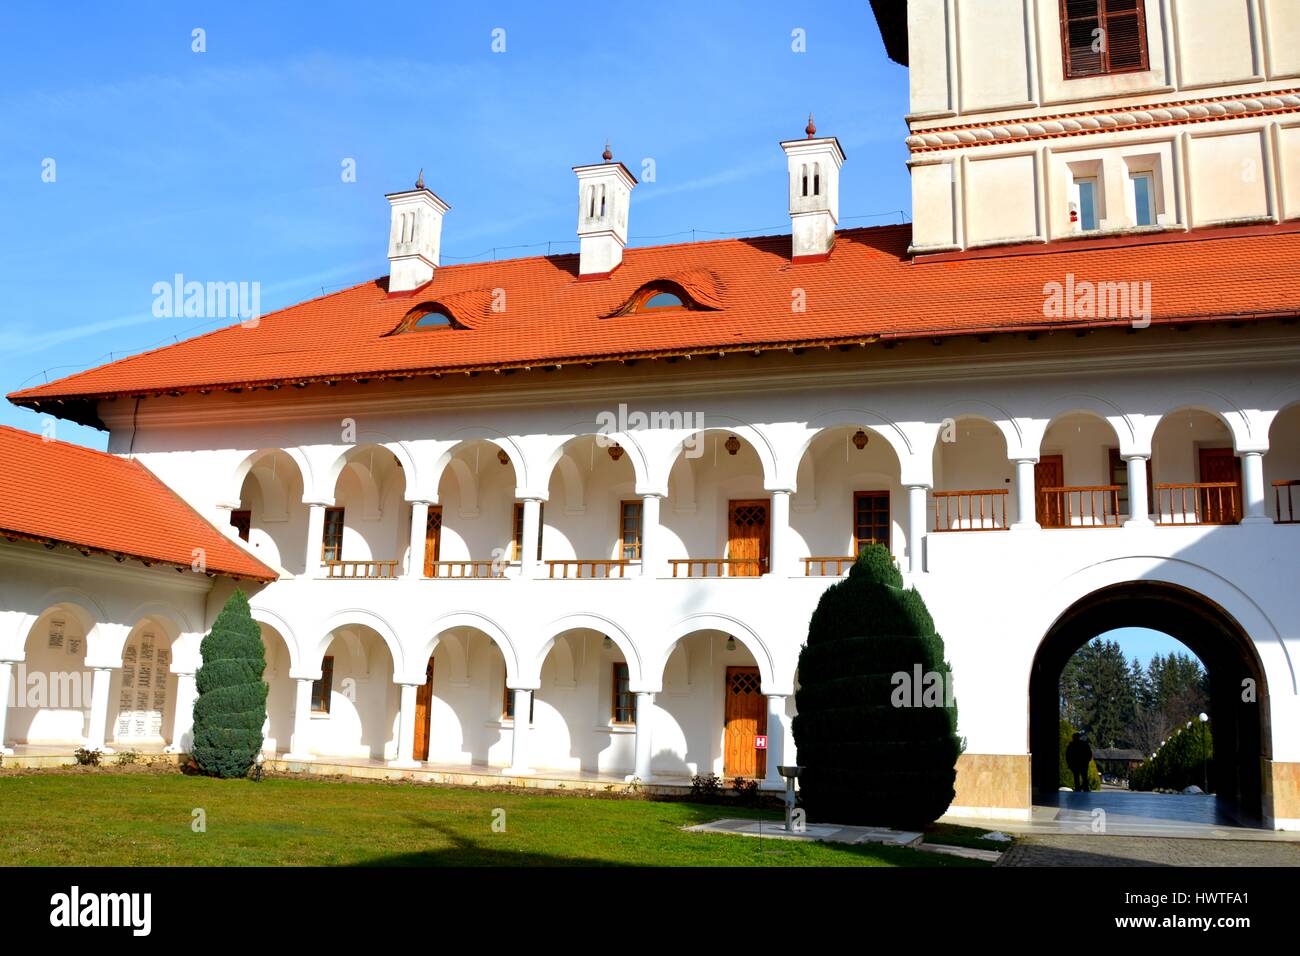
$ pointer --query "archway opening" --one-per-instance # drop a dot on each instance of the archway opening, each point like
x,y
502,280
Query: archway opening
x,y
849,495
593,522
717,521
271,516
711,709
1236,693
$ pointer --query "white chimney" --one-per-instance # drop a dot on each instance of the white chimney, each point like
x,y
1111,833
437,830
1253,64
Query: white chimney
x,y
604,191
415,237
814,192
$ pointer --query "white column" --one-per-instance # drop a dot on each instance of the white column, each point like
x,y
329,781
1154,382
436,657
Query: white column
x,y
1026,510
775,741
779,557
315,538
519,738
1252,483
532,533
915,527
102,678
650,557
1139,508
645,721
298,749
6,681
406,729
419,527
183,719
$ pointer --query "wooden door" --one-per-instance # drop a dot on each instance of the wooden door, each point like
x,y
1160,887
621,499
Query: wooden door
x,y
747,537
745,718
1049,473
432,539
1220,505
423,702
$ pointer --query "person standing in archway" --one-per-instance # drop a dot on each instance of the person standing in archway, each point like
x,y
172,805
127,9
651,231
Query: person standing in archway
x,y
1078,755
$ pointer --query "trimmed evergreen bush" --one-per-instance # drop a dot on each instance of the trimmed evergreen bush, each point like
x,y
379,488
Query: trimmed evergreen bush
x,y
231,707
1186,758
870,756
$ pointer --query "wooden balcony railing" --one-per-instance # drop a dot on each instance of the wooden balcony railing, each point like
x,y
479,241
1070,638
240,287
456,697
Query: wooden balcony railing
x,y
718,567
1079,506
1201,502
982,510
1284,504
468,569
586,568
362,569
835,565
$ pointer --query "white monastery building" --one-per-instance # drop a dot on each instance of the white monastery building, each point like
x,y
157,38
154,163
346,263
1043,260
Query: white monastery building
x,y
568,516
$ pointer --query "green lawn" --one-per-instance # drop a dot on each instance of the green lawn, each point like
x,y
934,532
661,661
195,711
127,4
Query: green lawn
x,y
114,818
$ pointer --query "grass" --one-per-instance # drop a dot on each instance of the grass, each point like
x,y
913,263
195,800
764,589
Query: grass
x,y
137,817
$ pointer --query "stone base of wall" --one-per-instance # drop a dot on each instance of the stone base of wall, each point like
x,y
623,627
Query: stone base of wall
x,y
1282,795
992,786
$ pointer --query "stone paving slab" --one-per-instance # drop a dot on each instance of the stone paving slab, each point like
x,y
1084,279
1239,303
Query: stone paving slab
x,y
965,852
813,832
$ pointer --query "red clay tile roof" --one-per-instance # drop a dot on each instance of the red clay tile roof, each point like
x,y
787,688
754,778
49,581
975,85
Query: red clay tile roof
x,y
534,311
51,491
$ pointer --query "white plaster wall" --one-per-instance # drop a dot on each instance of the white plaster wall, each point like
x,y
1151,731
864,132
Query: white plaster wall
x,y
994,595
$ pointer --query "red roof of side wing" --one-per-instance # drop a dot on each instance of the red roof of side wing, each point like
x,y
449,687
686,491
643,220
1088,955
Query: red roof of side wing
x,y
531,312
55,492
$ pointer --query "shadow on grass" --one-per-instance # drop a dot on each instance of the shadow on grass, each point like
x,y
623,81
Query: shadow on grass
x,y
466,852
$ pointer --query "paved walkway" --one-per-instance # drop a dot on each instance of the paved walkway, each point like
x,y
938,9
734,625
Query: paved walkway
x,y
1124,813
1060,850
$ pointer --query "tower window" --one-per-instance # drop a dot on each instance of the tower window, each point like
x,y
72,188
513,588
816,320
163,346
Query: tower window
x,y
1103,36
1144,199
803,176
817,179
1083,211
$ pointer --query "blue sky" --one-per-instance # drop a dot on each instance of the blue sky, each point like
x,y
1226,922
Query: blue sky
x,y
226,165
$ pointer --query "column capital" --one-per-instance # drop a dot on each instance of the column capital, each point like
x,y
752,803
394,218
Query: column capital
x,y
318,502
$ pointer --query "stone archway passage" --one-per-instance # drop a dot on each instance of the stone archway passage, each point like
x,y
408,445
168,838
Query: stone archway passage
x,y
1240,726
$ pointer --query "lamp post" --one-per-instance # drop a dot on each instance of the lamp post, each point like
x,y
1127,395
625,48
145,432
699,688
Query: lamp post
x,y
1205,772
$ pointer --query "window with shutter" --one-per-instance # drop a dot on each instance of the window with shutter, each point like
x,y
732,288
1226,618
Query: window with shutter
x,y
1103,36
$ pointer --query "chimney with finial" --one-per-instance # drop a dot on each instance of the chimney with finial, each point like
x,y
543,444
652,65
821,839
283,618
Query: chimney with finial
x,y
814,165
604,193
415,236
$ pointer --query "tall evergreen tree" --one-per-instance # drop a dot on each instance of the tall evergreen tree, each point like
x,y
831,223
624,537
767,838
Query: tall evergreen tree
x,y
876,723
1098,693
231,707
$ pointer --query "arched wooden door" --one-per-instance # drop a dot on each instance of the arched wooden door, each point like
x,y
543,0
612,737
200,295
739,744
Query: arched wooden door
x,y
745,714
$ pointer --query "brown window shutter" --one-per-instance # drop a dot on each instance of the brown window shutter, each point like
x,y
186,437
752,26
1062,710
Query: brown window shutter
x,y
1124,42
1117,30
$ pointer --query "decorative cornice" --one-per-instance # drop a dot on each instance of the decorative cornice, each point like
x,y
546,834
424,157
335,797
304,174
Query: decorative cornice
x,y
1105,121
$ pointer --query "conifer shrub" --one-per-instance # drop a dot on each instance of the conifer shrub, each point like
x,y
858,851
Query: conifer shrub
x,y
231,707
876,748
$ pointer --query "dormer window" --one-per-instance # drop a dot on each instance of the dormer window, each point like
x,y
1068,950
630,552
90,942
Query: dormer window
x,y
661,300
657,298
429,318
